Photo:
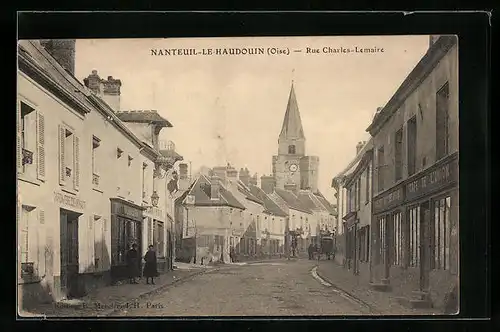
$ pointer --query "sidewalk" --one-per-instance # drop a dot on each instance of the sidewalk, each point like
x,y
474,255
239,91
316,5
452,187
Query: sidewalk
x,y
105,300
383,303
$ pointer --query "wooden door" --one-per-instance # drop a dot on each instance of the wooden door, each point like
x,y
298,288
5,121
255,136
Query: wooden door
x,y
69,253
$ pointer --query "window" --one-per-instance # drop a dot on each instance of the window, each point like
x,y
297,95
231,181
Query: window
x,y
30,142
442,119
95,161
130,161
412,145
398,155
441,232
397,239
381,168
358,193
367,185
414,252
31,246
69,158
144,184
158,237
291,149
382,237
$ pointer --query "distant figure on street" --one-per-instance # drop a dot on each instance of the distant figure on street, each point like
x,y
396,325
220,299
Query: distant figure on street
x,y
310,251
150,269
133,264
232,254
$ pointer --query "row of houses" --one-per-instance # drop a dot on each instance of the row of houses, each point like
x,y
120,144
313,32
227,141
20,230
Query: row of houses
x,y
92,179
224,209
398,198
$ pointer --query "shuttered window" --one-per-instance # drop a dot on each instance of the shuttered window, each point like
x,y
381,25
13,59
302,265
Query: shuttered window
x,y
30,142
442,130
69,158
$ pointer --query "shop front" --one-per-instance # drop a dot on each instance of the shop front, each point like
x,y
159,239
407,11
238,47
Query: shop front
x,y
157,235
126,229
351,227
415,233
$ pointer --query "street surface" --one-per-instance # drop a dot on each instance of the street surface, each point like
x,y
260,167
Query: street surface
x,y
274,288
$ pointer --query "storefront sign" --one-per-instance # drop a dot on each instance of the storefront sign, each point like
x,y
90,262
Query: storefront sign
x,y
388,200
434,179
68,200
126,210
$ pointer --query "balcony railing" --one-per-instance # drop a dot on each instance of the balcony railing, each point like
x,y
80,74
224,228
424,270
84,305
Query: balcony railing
x,y
95,180
27,157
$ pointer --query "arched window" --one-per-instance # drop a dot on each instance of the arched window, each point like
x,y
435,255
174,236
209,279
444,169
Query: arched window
x,y
291,149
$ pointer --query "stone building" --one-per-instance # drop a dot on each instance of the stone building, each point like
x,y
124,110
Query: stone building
x,y
415,187
76,213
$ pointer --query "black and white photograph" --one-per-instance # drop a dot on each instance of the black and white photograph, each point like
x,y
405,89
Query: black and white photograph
x,y
238,176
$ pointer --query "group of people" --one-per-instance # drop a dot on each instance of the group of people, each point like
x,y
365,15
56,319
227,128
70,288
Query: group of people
x,y
133,263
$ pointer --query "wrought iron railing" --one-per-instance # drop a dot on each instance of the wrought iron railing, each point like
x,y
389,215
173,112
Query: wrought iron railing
x,y
27,157
95,180
68,172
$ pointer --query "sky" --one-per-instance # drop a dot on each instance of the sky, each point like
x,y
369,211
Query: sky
x,y
230,108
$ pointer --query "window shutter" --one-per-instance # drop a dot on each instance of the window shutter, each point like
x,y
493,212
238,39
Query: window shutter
x,y
41,243
19,140
62,166
76,177
40,139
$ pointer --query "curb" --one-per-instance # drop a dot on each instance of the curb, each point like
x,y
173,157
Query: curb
x,y
162,287
357,299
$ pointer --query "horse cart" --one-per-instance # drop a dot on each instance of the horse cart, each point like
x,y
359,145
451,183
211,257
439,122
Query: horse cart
x,y
326,247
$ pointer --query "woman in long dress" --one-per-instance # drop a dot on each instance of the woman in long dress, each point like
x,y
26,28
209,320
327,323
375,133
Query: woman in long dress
x,y
133,259
150,269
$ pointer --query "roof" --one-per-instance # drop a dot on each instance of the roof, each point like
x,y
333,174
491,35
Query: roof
x,y
292,124
291,200
305,199
242,188
352,165
201,192
332,209
270,206
434,54
143,116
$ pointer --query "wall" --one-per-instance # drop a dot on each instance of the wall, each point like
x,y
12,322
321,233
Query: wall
x,y
142,130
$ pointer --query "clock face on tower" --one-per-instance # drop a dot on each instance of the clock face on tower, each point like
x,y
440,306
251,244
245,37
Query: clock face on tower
x,y
293,167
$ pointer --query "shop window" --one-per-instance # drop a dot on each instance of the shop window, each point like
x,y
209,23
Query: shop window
x,y
442,122
412,145
69,158
382,238
397,239
398,155
441,234
414,220
124,233
96,142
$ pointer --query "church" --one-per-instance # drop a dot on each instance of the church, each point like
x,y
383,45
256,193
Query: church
x,y
294,178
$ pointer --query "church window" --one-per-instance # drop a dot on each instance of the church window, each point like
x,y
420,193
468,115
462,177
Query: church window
x,y
291,149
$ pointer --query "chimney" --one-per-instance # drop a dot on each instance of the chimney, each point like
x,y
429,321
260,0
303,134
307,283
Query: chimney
x,y
267,183
433,39
214,187
253,179
111,92
232,175
359,147
63,51
93,82
183,171
221,173
245,176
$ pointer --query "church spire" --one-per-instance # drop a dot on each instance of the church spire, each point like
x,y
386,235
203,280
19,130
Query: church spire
x,y
292,124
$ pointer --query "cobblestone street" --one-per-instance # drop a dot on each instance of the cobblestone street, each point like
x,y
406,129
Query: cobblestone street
x,y
275,288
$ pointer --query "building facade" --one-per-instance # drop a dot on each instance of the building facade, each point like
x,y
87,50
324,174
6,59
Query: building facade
x,y
74,155
415,204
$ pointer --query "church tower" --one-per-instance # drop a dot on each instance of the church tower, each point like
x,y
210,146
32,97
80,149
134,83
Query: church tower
x,y
292,169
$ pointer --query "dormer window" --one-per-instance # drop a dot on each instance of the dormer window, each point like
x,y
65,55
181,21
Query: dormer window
x,y
291,149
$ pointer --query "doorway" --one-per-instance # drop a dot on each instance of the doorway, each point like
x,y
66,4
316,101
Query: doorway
x,y
69,253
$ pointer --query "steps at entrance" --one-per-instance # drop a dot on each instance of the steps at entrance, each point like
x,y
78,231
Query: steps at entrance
x,y
383,286
419,300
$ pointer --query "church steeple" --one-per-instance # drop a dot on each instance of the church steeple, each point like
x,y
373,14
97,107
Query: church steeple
x,y
292,124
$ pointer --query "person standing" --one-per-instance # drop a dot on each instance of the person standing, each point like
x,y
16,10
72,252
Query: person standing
x,y
232,254
150,268
310,251
133,264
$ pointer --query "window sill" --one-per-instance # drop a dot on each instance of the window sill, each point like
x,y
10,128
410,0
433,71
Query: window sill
x,y
98,190
69,191
28,179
